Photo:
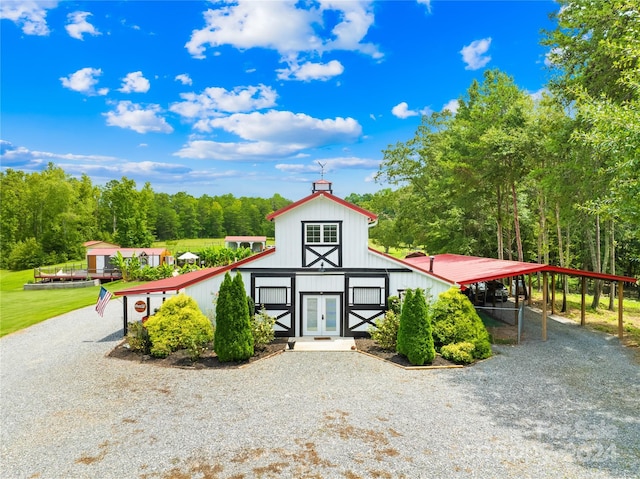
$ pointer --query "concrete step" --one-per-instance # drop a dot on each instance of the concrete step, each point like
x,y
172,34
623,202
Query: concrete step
x,y
322,344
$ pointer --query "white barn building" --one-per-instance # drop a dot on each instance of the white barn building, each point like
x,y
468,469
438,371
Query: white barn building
x,y
320,279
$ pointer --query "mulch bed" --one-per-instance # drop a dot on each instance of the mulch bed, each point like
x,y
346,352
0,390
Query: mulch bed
x,y
367,345
209,360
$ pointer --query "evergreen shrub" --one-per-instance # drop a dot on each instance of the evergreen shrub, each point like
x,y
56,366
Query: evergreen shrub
x,y
179,324
459,353
415,340
233,337
262,327
138,337
385,334
455,321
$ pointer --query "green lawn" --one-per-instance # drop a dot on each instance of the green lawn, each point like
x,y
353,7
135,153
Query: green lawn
x,y
20,309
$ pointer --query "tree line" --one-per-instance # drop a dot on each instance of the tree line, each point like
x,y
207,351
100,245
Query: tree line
x,y
46,216
554,179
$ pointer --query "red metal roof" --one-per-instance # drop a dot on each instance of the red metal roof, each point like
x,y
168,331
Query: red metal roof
x,y
177,283
411,264
313,196
127,252
472,269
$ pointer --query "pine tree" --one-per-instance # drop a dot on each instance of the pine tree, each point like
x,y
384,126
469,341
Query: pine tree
x,y
233,336
414,334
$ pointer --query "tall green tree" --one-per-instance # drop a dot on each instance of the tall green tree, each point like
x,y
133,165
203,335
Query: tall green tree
x,y
415,340
122,213
595,55
233,340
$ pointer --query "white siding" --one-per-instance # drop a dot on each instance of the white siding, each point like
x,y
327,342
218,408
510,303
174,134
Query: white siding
x,y
412,280
155,301
320,283
289,240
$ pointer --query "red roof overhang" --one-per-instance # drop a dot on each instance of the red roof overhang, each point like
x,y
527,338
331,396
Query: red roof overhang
x,y
466,270
313,196
177,283
411,264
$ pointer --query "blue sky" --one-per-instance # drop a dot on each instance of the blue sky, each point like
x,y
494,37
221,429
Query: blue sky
x,y
245,97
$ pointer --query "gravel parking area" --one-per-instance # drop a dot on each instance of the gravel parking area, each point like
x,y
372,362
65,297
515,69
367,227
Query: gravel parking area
x,y
565,408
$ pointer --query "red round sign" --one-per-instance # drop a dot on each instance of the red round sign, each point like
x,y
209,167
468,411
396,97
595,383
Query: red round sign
x,y
140,306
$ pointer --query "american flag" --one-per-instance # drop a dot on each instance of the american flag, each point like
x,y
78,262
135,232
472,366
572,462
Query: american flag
x,y
103,300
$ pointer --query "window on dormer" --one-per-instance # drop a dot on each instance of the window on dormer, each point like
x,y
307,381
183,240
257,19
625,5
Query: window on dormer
x,y
324,233
313,233
330,233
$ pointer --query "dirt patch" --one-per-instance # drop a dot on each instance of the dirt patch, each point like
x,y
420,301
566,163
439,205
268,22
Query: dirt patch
x,y
208,360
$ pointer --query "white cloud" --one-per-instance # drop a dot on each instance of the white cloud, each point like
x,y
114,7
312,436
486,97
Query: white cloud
x,y
234,151
78,25
84,81
330,164
184,78
356,18
31,15
538,94
283,27
139,119
401,110
553,56
452,106
271,135
291,128
426,3
472,54
135,82
311,71
23,158
215,101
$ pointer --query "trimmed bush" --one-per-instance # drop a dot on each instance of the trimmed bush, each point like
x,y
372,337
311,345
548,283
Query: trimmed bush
x,y
233,338
459,353
385,334
179,324
395,305
455,321
262,327
138,338
414,333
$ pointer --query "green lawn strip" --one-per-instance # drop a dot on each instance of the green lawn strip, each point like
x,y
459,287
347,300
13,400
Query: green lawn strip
x,y
21,309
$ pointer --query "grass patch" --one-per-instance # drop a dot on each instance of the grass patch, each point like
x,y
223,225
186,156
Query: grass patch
x,y
600,319
20,309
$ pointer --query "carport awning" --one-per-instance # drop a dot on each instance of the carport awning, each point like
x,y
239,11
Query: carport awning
x,y
466,270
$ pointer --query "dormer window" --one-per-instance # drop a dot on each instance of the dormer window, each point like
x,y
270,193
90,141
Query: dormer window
x,y
321,233
322,244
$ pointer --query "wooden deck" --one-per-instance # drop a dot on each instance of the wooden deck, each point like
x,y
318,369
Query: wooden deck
x,y
73,273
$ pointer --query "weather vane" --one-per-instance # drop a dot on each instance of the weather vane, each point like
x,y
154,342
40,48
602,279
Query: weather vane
x,y
322,165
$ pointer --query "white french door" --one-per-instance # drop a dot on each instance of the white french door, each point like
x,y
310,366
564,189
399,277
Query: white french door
x,y
321,315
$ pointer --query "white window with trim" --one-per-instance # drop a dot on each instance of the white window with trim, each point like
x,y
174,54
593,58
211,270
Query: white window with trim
x,y
367,295
321,233
273,295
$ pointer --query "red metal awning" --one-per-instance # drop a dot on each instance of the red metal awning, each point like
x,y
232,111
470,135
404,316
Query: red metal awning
x,y
466,270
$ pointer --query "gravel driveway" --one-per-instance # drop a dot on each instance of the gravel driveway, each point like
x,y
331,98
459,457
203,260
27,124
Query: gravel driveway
x,y
568,407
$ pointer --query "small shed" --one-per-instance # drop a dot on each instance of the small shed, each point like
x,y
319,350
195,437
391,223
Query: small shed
x,y
99,259
254,243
